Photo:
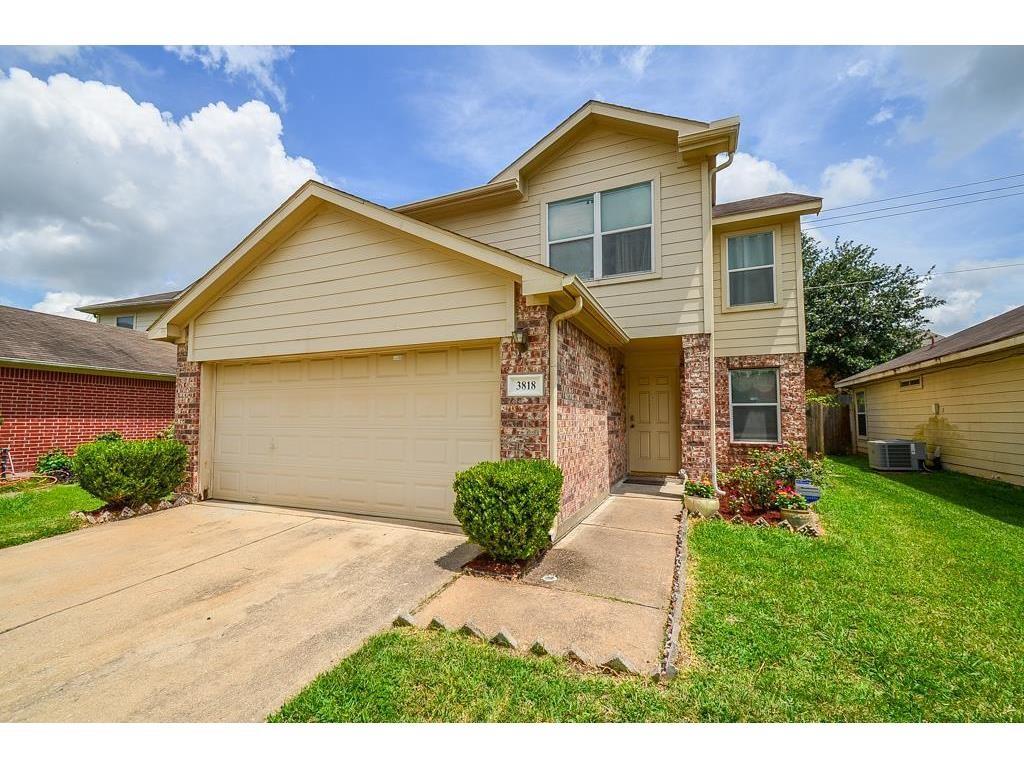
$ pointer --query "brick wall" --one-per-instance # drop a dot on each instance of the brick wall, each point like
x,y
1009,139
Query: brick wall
x,y
524,420
186,417
44,409
591,420
695,405
791,395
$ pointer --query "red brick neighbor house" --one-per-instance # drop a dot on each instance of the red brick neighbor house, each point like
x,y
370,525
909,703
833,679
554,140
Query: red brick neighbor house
x,y
64,381
590,304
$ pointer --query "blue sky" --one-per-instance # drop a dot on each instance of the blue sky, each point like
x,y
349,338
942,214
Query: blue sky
x,y
129,170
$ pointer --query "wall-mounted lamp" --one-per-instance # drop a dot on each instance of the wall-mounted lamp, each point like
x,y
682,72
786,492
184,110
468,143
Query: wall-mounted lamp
x,y
521,336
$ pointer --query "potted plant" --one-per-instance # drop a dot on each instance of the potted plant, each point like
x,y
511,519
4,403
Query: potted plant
x,y
793,507
700,498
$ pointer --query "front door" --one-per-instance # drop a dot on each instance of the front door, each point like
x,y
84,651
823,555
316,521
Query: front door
x,y
653,421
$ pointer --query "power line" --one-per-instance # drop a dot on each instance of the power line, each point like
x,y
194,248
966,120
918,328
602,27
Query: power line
x,y
926,192
920,202
922,277
919,210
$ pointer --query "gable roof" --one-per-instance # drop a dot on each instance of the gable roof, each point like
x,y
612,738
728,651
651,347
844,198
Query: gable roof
x,y
694,138
535,278
151,300
51,341
975,339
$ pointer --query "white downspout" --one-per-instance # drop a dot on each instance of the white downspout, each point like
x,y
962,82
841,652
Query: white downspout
x,y
709,326
553,377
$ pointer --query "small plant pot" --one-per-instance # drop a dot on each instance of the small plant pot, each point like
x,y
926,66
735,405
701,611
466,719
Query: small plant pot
x,y
706,508
797,517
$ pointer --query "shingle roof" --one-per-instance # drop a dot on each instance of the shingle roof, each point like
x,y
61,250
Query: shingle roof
x,y
134,301
35,337
1001,327
767,202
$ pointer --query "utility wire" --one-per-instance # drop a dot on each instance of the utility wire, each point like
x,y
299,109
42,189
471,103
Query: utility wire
x,y
926,192
919,210
922,277
920,202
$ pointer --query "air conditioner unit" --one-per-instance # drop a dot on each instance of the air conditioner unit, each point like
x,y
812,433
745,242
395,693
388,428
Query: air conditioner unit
x,y
896,455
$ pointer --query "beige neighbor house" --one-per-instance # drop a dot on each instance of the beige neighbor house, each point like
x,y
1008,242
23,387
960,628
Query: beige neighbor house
x,y
963,393
137,313
346,356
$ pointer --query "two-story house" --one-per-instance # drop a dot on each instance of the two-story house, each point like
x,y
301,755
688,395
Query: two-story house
x,y
590,304
137,313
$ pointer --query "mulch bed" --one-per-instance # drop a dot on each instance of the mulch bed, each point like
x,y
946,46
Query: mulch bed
x,y
485,565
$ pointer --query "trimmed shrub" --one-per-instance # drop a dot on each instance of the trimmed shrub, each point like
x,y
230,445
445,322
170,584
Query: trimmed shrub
x,y
508,507
54,462
130,472
109,437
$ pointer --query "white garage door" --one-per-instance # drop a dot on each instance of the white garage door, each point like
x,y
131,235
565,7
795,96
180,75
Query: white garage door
x,y
381,434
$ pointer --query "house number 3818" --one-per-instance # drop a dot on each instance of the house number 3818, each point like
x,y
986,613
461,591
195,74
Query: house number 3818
x,y
525,385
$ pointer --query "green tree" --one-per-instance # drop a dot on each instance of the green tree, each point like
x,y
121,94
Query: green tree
x,y
859,311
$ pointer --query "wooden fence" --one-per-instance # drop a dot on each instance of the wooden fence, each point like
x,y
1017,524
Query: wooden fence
x,y
828,429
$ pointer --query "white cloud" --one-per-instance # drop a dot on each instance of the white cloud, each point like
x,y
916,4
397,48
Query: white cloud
x,y
636,59
64,303
969,96
860,68
883,115
254,61
750,176
45,54
852,181
104,195
959,311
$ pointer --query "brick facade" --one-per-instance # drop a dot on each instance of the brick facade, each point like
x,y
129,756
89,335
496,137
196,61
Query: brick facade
x,y
695,405
591,419
186,417
524,420
44,409
791,400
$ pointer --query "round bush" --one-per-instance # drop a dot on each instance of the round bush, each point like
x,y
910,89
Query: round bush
x,y
130,472
508,507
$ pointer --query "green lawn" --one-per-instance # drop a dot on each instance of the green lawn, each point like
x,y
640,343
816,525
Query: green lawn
x,y
909,609
32,515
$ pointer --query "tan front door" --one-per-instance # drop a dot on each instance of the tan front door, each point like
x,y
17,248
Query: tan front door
x,y
653,421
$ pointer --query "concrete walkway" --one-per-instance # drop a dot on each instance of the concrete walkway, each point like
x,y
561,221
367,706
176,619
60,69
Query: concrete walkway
x,y
603,590
212,611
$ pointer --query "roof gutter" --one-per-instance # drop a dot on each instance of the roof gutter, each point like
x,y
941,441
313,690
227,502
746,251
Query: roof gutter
x,y
75,367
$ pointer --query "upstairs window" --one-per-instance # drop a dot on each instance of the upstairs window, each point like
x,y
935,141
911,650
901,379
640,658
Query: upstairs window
x,y
750,269
754,405
606,234
125,321
862,415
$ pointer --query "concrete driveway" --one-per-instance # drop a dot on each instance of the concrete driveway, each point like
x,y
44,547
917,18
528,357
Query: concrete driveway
x,y
206,612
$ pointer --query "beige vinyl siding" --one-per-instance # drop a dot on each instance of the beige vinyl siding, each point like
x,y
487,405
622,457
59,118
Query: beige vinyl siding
x,y
981,421
143,317
762,331
604,159
341,283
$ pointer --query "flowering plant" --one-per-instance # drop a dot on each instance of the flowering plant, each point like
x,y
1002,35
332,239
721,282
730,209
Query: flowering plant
x,y
703,489
787,498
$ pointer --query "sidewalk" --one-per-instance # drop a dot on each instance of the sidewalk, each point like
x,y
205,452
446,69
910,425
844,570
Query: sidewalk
x,y
603,591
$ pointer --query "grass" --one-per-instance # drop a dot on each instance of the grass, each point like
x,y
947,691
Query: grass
x,y
908,609
35,514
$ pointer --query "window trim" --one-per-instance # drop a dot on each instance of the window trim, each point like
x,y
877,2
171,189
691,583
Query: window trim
x,y
859,396
778,408
608,185
134,322
723,253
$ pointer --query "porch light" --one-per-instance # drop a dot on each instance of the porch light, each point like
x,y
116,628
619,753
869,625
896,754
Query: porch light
x,y
521,336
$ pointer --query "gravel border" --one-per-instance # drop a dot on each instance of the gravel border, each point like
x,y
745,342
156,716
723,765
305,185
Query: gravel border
x,y
667,669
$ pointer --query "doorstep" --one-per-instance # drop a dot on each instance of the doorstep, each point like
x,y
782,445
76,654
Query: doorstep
x,y
603,591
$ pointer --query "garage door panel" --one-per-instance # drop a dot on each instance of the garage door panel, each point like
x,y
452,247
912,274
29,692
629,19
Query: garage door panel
x,y
381,434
